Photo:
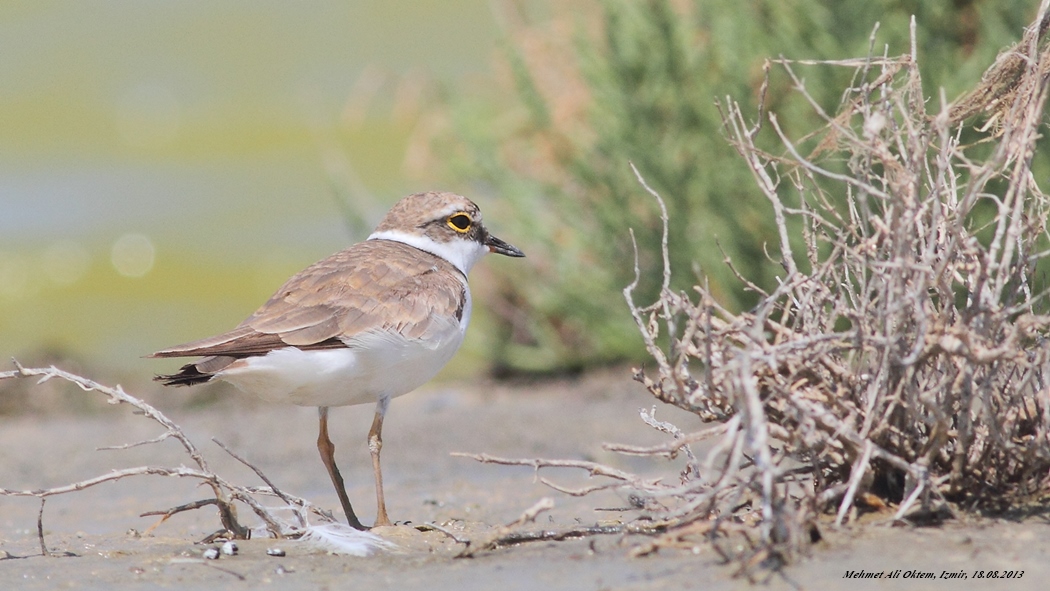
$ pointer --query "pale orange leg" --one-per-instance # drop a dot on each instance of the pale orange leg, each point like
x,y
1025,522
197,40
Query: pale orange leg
x,y
327,449
375,443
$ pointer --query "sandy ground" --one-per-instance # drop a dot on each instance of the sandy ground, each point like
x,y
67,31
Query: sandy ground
x,y
101,529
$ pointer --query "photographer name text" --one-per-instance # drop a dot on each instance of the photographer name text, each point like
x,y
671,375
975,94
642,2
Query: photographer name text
x,y
944,574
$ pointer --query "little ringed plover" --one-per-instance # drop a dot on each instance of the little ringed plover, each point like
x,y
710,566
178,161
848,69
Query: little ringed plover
x,y
371,322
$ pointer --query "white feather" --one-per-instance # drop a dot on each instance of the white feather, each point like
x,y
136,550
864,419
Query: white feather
x,y
461,253
375,365
343,539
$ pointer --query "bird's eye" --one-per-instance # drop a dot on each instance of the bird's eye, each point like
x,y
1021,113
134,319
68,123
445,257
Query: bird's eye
x,y
460,222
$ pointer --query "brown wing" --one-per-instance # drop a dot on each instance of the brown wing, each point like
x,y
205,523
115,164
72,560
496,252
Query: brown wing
x,y
371,286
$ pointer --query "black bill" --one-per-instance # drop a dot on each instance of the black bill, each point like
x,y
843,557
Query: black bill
x,y
500,247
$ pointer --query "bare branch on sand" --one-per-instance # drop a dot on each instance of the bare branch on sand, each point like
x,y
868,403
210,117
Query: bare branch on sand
x,y
226,494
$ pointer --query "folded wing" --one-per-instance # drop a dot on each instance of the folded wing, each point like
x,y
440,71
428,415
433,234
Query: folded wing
x,y
377,286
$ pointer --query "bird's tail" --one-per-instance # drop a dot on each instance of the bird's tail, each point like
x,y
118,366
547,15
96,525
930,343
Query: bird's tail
x,y
187,376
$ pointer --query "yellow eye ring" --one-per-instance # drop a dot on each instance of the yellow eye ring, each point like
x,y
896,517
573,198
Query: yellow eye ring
x,y
460,222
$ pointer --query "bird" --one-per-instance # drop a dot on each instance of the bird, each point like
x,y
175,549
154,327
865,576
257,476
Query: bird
x,y
364,325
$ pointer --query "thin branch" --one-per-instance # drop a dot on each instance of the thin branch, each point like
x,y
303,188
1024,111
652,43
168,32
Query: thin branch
x,y
263,477
594,468
226,493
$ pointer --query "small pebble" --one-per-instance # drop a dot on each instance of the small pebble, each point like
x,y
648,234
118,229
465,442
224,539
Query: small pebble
x,y
280,570
274,552
211,553
230,548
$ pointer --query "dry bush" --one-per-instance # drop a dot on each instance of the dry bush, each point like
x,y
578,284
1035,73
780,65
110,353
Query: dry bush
x,y
902,357
901,362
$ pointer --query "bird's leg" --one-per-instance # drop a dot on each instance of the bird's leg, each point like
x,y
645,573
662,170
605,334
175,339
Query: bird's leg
x,y
375,443
327,449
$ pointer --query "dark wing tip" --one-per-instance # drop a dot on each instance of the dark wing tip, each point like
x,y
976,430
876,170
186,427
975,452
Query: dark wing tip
x,y
187,376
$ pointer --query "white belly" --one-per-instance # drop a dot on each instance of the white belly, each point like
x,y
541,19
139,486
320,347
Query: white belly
x,y
376,366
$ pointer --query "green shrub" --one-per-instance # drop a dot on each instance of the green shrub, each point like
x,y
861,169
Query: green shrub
x,y
637,82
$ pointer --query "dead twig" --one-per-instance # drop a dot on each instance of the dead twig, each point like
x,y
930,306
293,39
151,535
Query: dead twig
x,y
594,468
225,492
509,535
498,537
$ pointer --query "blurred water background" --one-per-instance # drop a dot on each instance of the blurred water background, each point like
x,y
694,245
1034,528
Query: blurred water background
x,y
164,166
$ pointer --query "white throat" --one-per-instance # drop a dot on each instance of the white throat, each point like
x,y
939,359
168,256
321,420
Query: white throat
x,y
461,253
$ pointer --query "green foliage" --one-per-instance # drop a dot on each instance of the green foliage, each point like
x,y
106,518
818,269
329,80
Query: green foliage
x,y
643,90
